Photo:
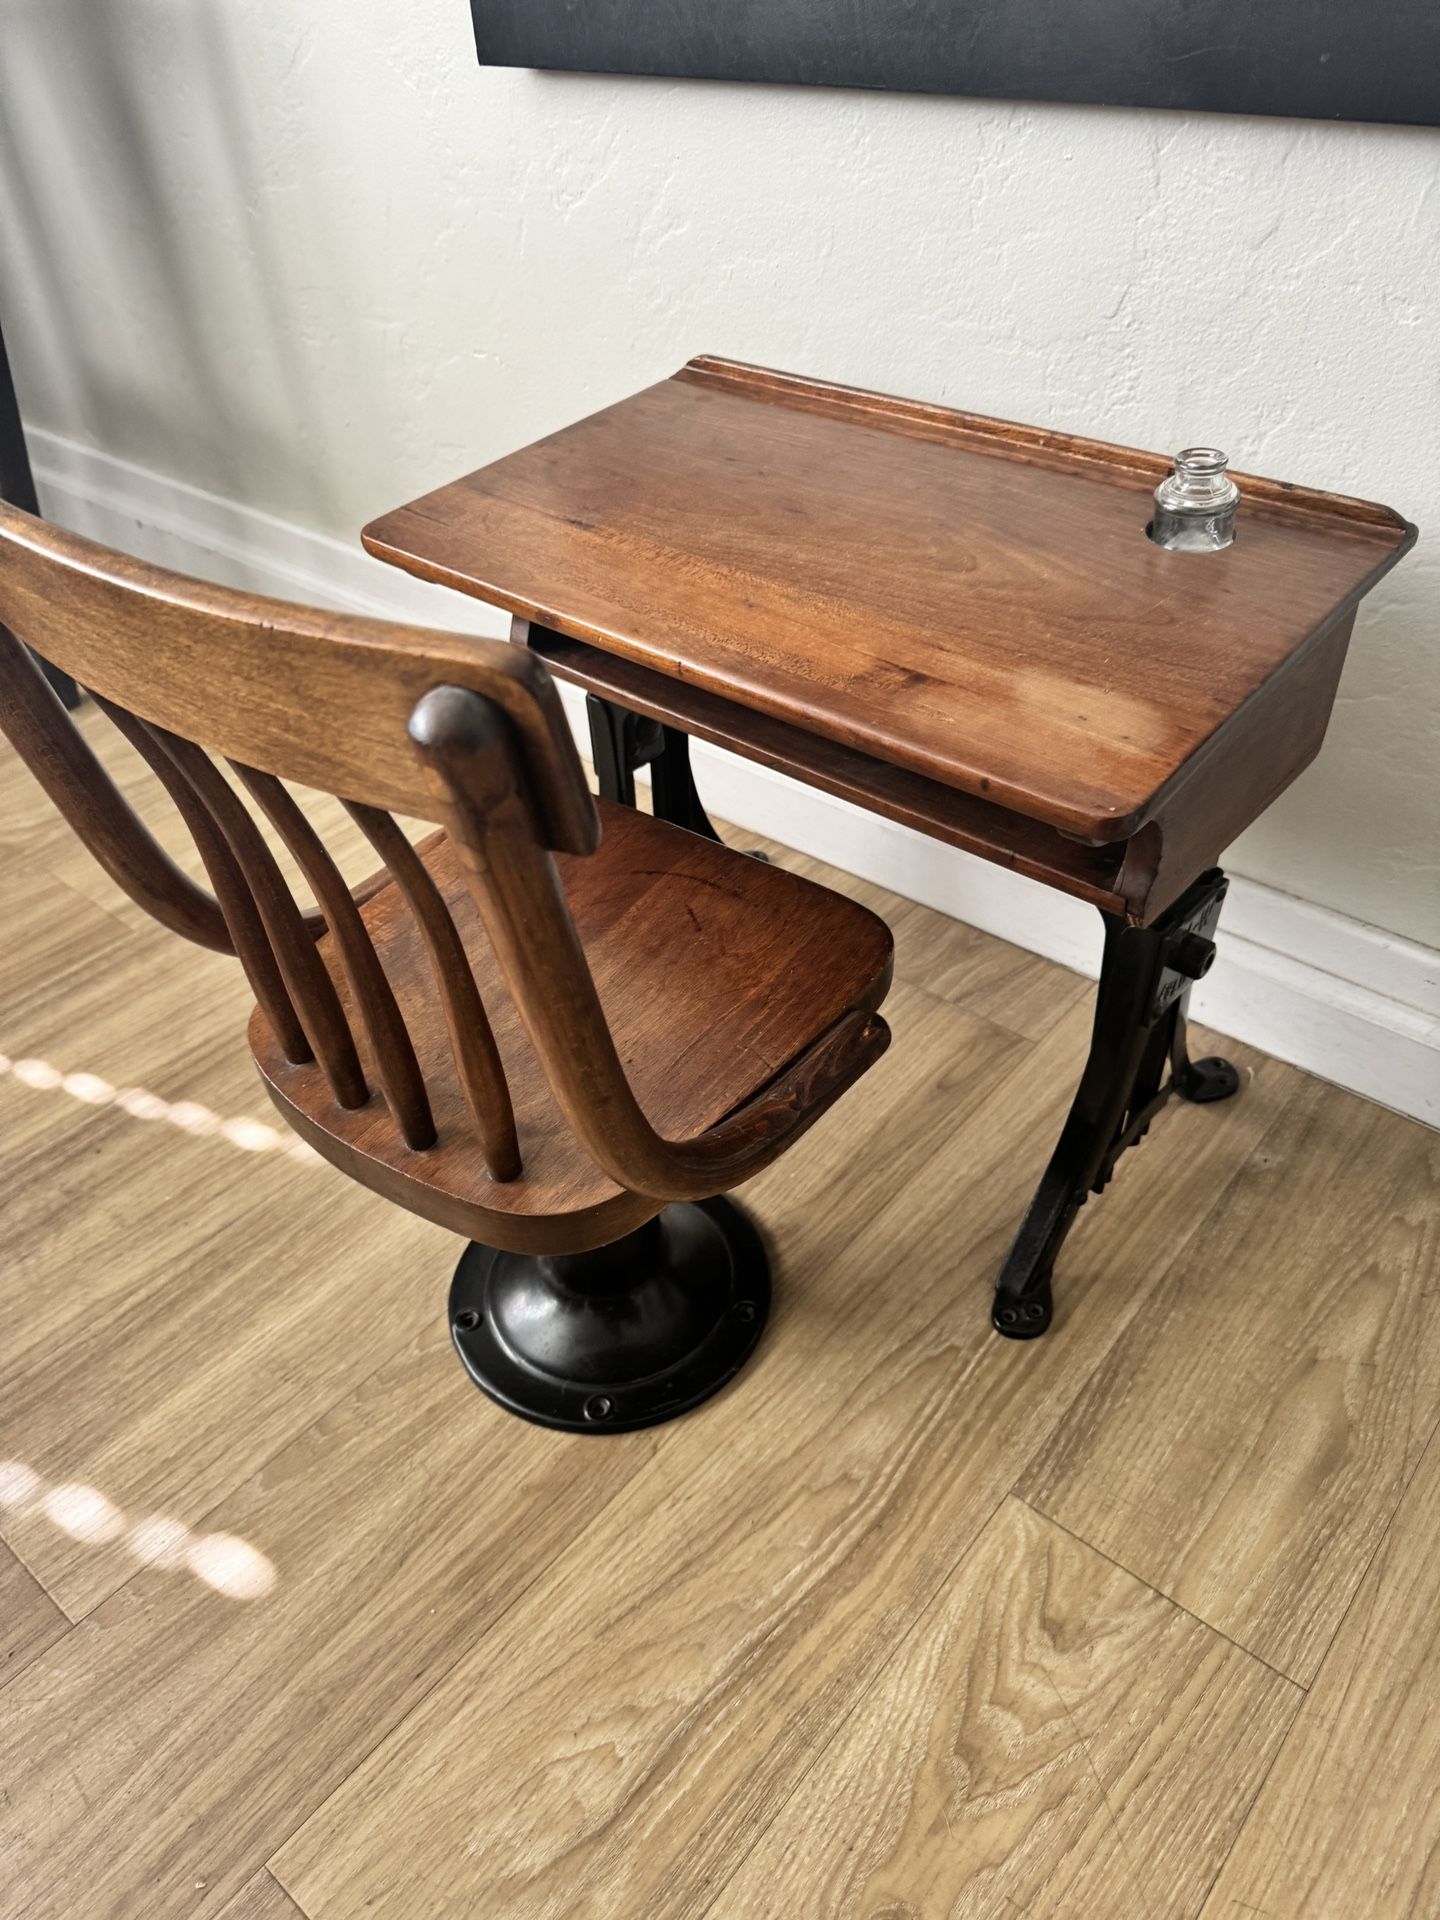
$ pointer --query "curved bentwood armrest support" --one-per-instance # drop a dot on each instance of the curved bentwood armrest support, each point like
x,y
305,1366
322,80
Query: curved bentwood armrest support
x,y
47,740
479,784
747,1140
34,720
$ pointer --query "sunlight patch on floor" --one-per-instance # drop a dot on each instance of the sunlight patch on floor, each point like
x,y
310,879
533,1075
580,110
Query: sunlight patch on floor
x,y
252,1136
222,1560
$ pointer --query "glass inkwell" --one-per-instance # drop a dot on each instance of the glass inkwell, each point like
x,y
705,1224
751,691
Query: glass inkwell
x,y
1195,505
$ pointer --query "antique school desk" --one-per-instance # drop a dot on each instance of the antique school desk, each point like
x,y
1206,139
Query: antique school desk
x,y
958,623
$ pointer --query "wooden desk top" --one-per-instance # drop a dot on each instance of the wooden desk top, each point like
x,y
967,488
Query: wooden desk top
x,y
970,600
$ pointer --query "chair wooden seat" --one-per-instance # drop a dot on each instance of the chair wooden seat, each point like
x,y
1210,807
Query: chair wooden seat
x,y
714,970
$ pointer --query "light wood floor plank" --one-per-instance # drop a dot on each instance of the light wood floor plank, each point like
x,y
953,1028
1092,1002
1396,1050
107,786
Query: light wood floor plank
x,y
1054,1739
30,1621
1244,1446
1349,1820
174,1297
399,1528
617,1745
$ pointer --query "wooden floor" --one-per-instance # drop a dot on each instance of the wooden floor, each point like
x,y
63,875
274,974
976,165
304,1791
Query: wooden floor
x,y
1140,1620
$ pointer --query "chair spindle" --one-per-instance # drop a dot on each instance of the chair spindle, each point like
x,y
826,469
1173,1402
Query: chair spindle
x,y
247,933
311,989
472,1042
396,1066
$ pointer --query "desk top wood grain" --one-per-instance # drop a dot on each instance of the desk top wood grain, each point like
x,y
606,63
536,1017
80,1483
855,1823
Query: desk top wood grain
x,y
968,599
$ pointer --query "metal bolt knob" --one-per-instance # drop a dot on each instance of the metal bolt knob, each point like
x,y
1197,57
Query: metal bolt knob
x,y
1192,955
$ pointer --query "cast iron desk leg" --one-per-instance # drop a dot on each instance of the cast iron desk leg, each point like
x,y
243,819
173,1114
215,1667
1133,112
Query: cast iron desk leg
x,y
621,741
1139,1033
1145,980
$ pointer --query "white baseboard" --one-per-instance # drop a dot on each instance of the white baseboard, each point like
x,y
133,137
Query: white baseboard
x,y
1348,1002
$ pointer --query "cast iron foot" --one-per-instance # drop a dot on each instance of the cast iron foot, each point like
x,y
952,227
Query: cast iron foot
x,y
1208,1079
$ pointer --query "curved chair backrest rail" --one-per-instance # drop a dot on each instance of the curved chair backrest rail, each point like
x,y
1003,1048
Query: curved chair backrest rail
x,y
315,697
469,733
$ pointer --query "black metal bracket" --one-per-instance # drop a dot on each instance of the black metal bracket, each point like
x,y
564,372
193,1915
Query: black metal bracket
x,y
1140,1013
621,741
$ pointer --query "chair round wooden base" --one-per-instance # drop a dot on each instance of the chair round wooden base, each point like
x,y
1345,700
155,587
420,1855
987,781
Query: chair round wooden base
x,y
627,1336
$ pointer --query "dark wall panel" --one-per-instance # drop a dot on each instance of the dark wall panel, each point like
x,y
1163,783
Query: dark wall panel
x,y
1320,59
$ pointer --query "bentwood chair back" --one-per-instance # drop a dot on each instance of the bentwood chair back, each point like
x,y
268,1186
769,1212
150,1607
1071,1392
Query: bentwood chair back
x,y
560,1030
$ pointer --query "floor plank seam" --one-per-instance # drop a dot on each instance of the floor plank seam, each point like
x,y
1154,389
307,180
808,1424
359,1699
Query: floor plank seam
x,y
39,1645
998,1027
1217,1204
470,1648
37,866
1144,1298
250,1474
1160,1594
13,1669
1192,1231
284,1892
1244,1822
862,1694
1380,1546
10,1547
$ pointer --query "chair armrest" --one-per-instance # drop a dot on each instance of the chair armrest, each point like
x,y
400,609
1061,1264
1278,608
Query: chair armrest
x,y
749,1139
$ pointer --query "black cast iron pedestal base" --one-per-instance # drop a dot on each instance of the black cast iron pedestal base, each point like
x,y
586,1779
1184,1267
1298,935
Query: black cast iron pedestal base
x,y
624,1337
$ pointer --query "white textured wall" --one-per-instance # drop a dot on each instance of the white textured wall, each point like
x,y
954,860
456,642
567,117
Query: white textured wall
x,y
312,258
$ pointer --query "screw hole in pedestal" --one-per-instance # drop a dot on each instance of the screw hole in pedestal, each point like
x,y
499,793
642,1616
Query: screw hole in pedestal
x,y
599,1407
466,1322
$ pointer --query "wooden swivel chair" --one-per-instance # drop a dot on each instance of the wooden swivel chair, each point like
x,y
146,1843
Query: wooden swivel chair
x,y
560,1030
